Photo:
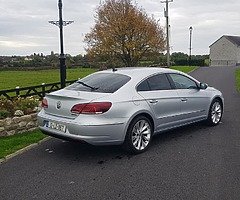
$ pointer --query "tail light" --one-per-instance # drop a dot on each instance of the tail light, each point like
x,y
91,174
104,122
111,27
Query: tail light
x,y
91,108
44,103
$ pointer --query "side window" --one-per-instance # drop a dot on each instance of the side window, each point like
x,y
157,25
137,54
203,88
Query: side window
x,y
183,82
143,86
159,82
156,82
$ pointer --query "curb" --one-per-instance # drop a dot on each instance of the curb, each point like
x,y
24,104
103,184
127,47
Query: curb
x,y
2,160
193,70
6,158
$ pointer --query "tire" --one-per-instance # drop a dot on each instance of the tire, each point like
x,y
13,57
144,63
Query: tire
x,y
215,113
139,135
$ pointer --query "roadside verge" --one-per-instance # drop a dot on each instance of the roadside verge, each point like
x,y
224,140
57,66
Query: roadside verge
x,y
12,146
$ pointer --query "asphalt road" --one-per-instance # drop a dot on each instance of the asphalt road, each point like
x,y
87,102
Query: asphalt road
x,y
194,162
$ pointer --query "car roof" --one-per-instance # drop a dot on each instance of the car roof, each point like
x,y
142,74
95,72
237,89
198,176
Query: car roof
x,y
139,72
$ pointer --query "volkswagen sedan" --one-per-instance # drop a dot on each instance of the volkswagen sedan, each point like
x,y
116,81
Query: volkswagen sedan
x,y
128,106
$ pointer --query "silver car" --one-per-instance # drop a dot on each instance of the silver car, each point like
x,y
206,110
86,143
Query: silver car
x,y
128,106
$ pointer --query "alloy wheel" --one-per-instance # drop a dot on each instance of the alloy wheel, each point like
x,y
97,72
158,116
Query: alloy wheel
x,y
216,112
141,135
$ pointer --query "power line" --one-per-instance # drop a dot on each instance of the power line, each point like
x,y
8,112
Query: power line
x,y
167,27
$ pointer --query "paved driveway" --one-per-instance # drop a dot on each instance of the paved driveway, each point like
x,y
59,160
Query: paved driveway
x,y
194,162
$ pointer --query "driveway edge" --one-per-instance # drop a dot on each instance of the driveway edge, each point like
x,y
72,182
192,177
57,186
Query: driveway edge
x,y
6,158
193,70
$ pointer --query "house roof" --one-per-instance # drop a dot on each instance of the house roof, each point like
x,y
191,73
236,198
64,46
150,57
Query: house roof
x,y
233,39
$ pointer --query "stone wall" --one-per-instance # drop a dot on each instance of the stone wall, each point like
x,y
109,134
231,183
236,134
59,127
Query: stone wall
x,y
16,125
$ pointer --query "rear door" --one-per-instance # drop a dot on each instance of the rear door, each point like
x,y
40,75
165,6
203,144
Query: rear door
x,y
194,102
163,100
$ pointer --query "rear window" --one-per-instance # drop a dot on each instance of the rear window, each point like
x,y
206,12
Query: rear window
x,y
102,83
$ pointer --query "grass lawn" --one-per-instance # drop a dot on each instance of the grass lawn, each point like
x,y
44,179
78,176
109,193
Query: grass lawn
x,y
185,69
11,144
237,75
12,79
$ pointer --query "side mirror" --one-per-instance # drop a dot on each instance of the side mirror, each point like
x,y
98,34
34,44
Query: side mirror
x,y
203,86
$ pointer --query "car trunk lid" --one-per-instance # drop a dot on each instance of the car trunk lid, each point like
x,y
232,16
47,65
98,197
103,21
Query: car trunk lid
x,y
61,102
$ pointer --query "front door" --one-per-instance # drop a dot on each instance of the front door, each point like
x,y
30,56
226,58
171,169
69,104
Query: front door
x,y
194,102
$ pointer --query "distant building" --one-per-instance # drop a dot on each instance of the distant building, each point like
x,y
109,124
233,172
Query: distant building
x,y
27,58
225,51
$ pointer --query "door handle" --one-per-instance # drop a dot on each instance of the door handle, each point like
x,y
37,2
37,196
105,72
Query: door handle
x,y
184,99
153,101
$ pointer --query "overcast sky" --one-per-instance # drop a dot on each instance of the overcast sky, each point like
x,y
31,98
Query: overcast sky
x,y
24,27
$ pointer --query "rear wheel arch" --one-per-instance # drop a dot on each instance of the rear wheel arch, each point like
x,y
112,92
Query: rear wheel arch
x,y
129,144
145,115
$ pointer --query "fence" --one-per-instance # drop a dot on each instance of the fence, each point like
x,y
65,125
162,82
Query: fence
x,y
39,90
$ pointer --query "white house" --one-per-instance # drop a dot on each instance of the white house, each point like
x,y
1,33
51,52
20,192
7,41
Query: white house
x,y
225,51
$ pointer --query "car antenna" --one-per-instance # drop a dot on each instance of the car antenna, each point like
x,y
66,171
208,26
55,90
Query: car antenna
x,y
114,69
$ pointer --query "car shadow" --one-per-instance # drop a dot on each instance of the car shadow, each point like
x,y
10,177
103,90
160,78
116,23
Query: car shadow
x,y
82,152
180,132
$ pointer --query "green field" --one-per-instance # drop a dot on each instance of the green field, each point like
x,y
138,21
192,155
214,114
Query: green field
x,y
185,69
11,144
238,79
12,79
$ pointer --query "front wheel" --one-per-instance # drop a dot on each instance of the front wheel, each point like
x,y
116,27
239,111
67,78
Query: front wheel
x,y
139,135
215,113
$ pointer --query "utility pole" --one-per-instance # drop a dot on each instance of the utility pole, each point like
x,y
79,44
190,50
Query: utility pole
x,y
167,26
62,57
190,45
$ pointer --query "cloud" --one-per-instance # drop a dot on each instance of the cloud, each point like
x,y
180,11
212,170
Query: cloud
x,y
25,28
17,44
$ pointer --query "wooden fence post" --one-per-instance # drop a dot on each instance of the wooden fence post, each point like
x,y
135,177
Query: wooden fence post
x,y
43,90
17,91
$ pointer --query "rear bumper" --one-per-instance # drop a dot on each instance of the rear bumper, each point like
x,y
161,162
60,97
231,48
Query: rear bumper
x,y
111,133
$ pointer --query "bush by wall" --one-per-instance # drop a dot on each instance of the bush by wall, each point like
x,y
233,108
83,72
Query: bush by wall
x,y
19,106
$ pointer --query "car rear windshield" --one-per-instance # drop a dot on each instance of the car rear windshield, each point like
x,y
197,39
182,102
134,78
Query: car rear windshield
x,y
102,83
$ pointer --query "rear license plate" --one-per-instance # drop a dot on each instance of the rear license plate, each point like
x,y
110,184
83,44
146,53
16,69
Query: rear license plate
x,y
55,126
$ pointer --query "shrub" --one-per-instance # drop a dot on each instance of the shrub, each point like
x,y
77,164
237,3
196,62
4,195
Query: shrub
x,y
8,107
4,114
25,104
185,62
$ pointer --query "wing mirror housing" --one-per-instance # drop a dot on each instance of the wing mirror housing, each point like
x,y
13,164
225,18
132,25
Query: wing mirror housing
x,y
203,86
